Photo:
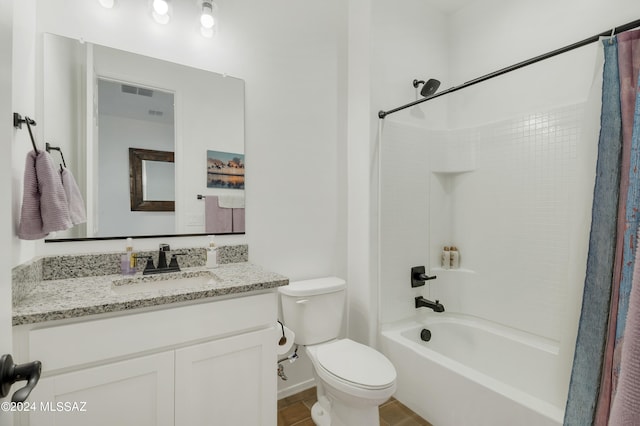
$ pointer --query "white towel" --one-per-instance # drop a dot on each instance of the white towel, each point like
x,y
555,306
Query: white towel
x,y
231,201
77,211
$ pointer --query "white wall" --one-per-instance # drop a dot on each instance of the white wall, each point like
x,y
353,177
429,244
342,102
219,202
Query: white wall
x,y
409,41
289,56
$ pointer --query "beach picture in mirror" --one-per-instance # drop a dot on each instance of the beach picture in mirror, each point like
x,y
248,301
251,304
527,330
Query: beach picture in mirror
x,y
225,170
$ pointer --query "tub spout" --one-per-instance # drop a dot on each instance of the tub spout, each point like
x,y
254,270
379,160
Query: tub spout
x,y
421,302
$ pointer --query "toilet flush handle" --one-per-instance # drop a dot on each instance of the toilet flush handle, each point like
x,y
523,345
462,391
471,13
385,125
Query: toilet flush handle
x,y
302,301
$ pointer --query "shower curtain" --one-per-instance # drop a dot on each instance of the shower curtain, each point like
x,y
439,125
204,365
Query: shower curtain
x,y
610,279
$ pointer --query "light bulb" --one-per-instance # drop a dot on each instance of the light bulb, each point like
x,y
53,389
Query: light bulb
x,y
161,7
160,11
206,19
107,4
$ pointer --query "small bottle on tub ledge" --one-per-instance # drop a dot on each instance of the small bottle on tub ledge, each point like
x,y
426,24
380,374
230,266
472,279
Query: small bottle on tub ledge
x,y
455,257
446,258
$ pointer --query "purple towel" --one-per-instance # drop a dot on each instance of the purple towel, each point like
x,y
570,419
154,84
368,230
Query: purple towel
x,y
30,227
44,202
217,220
625,410
77,211
238,220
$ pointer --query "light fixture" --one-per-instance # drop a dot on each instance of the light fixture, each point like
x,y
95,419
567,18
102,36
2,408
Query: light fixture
x,y
207,20
107,4
160,11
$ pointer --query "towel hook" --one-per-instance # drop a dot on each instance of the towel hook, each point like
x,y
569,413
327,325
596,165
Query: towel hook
x,y
18,120
613,33
48,147
17,123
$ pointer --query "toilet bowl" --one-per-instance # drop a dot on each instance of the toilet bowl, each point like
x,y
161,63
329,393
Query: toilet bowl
x,y
352,379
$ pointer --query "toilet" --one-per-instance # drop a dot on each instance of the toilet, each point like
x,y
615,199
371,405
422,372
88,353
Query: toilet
x,y
352,379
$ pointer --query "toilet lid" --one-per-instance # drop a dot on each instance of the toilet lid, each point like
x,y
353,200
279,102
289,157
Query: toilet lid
x,y
356,363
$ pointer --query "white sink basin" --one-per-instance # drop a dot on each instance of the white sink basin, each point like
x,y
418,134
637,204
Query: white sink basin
x,y
168,281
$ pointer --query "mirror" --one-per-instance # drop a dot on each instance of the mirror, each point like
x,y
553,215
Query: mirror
x,y
192,112
158,182
151,177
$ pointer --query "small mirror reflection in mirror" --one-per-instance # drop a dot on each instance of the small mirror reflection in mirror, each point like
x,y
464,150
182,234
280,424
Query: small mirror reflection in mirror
x,y
158,181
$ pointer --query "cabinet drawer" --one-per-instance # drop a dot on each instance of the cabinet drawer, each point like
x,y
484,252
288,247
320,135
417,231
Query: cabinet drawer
x,y
98,340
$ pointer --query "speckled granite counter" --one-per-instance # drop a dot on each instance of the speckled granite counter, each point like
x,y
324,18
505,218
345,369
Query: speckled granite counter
x,y
77,297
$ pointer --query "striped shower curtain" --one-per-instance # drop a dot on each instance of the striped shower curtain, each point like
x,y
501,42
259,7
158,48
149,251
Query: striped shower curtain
x,y
601,362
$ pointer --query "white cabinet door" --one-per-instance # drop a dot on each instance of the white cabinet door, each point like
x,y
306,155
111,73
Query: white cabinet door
x,y
228,382
135,392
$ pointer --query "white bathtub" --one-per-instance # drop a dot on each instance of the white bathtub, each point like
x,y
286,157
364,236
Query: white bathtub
x,y
474,373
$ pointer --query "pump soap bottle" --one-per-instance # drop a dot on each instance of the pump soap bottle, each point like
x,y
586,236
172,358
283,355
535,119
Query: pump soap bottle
x,y
132,258
128,261
212,254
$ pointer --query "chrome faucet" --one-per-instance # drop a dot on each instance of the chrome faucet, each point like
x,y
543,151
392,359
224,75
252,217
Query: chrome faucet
x,y
421,302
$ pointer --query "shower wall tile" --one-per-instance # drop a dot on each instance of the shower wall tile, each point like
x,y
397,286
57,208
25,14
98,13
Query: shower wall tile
x,y
511,220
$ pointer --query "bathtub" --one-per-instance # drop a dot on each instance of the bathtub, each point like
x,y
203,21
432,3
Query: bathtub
x,y
474,373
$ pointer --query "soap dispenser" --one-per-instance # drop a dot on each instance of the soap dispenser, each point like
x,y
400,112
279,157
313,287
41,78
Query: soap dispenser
x,y
128,261
212,254
130,256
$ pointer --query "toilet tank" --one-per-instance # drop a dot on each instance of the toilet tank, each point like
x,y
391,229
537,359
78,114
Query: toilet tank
x,y
313,309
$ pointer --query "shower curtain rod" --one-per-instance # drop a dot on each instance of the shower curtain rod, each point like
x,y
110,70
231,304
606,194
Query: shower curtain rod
x,y
593,39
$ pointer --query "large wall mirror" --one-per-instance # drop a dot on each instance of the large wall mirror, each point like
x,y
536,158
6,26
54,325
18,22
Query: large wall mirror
x,y
100,104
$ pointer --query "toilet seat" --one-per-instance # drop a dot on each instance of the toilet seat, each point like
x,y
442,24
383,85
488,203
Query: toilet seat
x,y
354,365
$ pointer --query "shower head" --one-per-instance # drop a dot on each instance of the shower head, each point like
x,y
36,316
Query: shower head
x,y
429,87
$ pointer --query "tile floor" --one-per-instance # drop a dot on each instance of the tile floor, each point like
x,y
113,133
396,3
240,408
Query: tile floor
x,y
295,410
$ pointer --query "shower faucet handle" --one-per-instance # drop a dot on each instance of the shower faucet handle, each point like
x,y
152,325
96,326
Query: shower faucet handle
x,y
419,276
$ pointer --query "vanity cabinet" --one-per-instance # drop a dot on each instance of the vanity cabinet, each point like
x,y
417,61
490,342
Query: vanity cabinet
x,y
202,364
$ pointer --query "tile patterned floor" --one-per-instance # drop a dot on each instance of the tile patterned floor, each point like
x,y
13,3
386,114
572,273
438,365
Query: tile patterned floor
x,y
295,410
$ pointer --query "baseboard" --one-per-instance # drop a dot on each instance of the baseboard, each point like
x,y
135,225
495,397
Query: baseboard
x,y
295,388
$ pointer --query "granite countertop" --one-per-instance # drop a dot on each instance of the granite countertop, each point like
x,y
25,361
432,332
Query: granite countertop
x,y
77,297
